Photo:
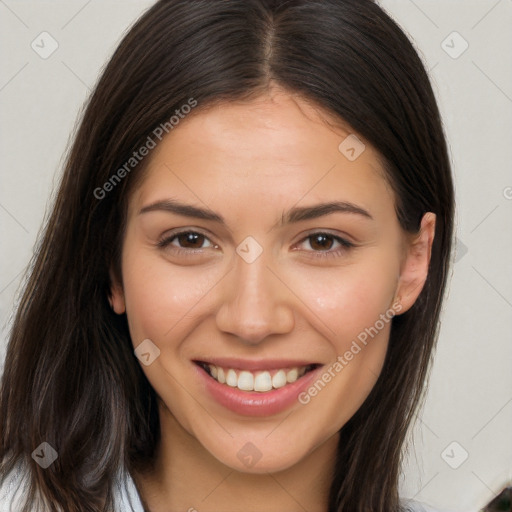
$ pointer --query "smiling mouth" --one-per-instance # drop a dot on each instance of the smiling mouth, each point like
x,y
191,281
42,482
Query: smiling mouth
x,y
261,381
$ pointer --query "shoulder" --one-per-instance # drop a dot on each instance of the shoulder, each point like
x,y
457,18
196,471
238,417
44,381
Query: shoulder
x,y
415,506
126,496
11,490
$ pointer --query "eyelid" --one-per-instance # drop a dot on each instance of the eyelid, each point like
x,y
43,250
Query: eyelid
x,y
187,229
166,240
334,233
345,245
173,233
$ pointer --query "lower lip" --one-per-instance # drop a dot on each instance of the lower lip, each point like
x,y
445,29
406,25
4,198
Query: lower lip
x,y
254,403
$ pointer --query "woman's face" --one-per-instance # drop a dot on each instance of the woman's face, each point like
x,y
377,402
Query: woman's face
x,y
258,245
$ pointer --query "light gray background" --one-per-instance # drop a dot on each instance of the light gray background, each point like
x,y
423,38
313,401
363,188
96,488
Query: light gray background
x,y
470,396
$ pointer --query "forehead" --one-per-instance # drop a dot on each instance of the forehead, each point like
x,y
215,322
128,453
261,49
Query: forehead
x,y
273,150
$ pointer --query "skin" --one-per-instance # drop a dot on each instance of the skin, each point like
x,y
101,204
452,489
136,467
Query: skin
x,y
250,162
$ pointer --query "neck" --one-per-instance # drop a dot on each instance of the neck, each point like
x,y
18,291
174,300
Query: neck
x,y
187,477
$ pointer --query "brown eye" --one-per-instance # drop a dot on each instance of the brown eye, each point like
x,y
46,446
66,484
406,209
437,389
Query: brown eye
x,y
321,241
190,240
325,245
186,240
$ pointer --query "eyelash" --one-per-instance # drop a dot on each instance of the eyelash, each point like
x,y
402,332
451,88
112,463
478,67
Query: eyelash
x,y
345,245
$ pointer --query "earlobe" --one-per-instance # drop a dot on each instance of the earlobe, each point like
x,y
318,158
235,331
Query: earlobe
x,y
116,297
414,271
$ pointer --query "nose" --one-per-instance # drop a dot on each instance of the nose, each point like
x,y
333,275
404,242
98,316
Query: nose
x,y
256,303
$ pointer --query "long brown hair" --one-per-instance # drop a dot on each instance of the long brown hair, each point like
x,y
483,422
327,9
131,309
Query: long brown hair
x,y
71,378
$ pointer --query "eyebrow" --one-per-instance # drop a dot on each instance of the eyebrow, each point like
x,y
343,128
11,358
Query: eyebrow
x,y
296,214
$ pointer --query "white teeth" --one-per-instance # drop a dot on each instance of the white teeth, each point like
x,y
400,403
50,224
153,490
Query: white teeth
x,y
246,381
261,381
231,378
292,375
279,379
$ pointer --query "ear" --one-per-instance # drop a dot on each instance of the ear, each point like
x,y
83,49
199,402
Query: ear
x,y
415,265
116,297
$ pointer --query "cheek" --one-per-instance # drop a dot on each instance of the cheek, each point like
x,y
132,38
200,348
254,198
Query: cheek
x,y
352,307
160,299
346,300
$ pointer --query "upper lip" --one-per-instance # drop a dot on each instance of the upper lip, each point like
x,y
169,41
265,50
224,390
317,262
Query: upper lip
x,y
255,364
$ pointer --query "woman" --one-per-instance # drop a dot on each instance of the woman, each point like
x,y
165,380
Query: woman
x,y
237,295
